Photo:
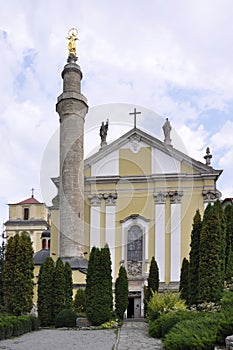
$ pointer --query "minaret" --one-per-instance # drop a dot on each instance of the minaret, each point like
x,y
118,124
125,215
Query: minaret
x,y
72,108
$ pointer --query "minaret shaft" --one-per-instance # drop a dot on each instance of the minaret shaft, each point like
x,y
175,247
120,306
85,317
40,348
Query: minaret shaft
x,y
72,108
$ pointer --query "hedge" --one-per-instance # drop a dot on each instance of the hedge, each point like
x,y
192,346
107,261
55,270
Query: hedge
x,y
12,326
192,335
65,318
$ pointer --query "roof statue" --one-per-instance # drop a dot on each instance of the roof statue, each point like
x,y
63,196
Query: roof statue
x,y
103,134
72,37
167,131
208,157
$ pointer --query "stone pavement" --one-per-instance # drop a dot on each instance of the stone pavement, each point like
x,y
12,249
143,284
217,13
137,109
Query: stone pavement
x,y
62,339
133,335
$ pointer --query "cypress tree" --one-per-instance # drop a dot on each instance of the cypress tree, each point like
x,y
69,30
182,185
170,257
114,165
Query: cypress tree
x,y
219,210
80,301
2,261
228,212
184,280
106,284
121,293
210,266
194,257
92,286
229,267
152,282
98,295
45,293
68,286
59,294
18,275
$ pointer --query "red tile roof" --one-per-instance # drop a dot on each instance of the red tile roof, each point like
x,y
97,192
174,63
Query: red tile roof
x,y
30,200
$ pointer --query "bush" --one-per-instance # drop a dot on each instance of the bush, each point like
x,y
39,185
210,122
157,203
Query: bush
x,y
65,318
2,330
80,301
15,326
35,322
163,303
26,323
162,325
197,334
109,324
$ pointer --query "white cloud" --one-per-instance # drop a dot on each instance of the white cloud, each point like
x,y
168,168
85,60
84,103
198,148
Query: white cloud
x,y
171,57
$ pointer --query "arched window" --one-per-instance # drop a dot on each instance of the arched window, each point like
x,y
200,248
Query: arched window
x,y
134,245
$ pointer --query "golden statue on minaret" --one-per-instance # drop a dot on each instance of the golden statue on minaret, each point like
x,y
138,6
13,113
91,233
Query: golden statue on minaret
x,y
72,37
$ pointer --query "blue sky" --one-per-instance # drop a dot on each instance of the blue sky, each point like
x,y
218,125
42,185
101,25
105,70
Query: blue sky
x,y
170,58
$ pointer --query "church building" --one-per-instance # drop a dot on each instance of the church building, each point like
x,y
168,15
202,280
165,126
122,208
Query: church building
x,y
137,194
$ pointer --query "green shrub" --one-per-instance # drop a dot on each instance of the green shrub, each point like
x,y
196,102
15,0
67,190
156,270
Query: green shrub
x,y
17,326
196,334
26,322
65,318
2,330
9,329
35,322
163,303
109,324
80,301
162,325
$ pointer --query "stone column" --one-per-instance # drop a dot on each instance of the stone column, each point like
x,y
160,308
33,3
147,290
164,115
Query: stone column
x,y
110,223
95,202
160,202
175,200
72,108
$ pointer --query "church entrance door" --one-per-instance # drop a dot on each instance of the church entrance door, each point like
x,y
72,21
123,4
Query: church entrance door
x,y
134,307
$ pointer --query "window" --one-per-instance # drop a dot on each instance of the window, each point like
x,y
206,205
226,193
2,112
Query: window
x,y
26,213
134,246
44,243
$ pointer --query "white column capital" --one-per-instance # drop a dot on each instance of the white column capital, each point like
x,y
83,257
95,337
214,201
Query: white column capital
x,y
211,195
110,198
160,197
175,196
95,200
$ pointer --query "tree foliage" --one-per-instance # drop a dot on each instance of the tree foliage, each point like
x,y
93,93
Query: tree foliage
x,y
54,290
98,281
194,257
2,262
211,257
45,293
68,286
18,275
228,211
184,280
152,281
121,293
59,293
80,301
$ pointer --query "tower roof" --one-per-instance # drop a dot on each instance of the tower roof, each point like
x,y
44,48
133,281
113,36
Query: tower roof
x,y
30,200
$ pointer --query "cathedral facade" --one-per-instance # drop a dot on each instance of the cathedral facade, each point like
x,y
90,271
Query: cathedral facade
x,y
137,194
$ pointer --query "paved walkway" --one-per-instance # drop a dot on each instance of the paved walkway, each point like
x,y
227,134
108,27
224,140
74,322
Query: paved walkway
x,y
62,339
132,335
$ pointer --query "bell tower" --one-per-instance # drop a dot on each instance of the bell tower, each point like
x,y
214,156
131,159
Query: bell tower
x,y
72,108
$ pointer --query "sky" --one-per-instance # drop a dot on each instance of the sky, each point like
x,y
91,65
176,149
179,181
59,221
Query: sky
x,y
168,58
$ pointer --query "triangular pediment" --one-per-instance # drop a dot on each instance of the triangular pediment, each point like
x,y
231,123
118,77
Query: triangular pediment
x,y
136,144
